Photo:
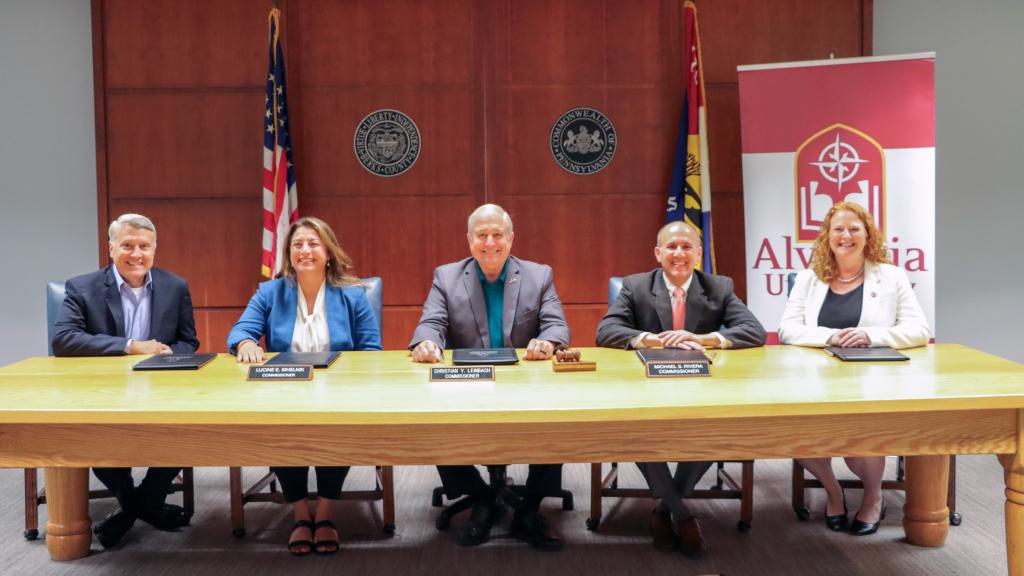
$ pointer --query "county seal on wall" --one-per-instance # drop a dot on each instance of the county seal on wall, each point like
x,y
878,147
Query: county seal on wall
x,y
387,142
583,141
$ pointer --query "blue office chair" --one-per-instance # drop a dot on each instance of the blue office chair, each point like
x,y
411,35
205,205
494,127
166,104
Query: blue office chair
x,y
725,485
801,482
383,490
36,496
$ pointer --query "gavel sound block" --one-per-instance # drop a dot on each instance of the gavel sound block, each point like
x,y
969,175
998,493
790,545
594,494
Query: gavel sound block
x,y
568,360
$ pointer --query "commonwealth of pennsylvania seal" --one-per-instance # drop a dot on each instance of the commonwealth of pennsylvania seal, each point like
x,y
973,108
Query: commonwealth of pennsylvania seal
x,y
583,141
387,142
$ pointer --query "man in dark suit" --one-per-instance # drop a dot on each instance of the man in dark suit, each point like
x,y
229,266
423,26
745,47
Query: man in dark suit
x,y
681,307
129,307
494,300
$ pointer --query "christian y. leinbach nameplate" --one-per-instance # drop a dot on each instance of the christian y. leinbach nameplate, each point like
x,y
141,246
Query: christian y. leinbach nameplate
x,y
280,372
462,373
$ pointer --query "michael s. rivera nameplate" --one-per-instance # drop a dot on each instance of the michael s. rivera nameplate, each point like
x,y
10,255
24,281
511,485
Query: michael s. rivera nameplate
x,y
387,142
583,141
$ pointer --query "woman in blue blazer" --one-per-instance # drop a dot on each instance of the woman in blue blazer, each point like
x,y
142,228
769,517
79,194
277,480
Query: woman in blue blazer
x,y
313,304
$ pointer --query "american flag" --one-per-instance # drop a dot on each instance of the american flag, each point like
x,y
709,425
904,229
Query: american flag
x,y
280,197
689,195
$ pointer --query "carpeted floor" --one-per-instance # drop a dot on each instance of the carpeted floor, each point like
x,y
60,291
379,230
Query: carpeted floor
x,y
777,544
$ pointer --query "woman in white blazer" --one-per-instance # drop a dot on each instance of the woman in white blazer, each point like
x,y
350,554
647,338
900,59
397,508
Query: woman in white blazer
x,y
852,296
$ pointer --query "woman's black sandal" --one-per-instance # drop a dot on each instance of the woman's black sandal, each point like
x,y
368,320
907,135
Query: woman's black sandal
x,y
325,546
301,547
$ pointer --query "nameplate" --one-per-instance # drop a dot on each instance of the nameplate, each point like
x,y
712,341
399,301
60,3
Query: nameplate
x,y
461,373
679,369
280,372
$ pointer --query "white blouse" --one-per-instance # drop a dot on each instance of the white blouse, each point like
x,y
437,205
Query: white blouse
x,y
311,333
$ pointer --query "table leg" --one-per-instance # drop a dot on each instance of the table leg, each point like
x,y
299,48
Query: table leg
x,y
925,515
1014,510
68,534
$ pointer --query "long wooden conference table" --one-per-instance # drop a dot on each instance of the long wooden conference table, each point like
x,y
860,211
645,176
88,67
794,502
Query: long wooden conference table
x,y
67,414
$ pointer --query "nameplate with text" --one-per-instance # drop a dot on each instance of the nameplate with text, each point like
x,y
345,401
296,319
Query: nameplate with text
x,y
280,372
678,369
462,373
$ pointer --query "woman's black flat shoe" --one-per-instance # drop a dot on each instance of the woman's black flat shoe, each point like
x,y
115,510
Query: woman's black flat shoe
x,y
839,522
861,528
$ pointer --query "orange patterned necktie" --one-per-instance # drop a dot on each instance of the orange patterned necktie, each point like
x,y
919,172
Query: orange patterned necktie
x,y
678,309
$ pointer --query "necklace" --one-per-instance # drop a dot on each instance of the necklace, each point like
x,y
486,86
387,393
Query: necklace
x,y
851,278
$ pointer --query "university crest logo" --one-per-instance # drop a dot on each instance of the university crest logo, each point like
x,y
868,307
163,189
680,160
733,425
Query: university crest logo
x,y
387,142
583,141
838,164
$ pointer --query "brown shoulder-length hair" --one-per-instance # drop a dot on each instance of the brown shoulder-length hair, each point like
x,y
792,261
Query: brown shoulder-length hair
x,y
824,262
339,264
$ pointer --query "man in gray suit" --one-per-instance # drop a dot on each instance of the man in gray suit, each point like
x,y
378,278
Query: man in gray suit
x,y
494,300
680,307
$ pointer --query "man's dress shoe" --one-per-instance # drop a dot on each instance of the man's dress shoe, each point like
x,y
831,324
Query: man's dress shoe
x,y
662,533
691,540
112,529
478,529
167,517
533,529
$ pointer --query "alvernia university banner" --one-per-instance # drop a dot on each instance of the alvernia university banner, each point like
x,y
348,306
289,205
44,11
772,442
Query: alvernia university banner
x,y
821,132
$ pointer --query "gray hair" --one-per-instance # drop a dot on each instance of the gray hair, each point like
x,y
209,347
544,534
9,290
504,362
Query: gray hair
x,y
488,210
137,221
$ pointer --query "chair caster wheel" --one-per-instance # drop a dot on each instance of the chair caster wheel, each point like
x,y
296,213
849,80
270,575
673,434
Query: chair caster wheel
x,y
389,529
955,519
238,532
593,523
743,526
33,534
802,514
436,500
442,522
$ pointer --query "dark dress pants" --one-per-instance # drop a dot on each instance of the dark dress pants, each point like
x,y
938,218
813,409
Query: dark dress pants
x,y
295,481
542,480
149,496
673,489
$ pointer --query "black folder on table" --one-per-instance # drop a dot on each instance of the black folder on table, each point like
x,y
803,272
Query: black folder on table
x,y
175,361
670,355
314,359
498,356
878,354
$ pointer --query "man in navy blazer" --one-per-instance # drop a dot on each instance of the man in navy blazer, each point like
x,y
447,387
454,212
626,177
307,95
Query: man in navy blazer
x,y
129,307
681,307
494,300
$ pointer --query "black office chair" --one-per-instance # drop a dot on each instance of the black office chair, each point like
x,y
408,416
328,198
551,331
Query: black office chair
x,y
724,487
265,489
36,496
801,482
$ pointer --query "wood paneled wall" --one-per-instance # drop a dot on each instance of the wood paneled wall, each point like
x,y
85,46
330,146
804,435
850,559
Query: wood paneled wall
x,y
179,98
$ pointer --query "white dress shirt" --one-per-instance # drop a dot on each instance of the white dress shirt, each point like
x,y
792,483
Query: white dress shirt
x,y
311,334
